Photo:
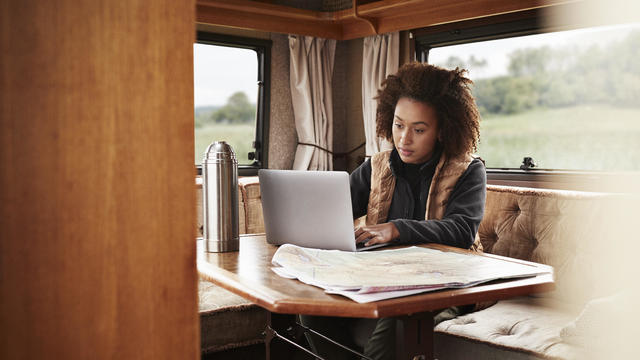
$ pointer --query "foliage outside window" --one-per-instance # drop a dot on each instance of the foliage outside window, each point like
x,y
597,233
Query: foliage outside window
x,y
230,96
569,99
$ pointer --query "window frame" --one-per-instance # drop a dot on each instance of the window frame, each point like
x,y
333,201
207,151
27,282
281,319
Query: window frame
x,y
528,22
262,47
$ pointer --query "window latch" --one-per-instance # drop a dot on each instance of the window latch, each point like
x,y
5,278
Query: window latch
x,y
528,163
253,155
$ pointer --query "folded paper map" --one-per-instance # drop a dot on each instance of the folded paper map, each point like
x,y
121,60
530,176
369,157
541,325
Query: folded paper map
x,y
377,275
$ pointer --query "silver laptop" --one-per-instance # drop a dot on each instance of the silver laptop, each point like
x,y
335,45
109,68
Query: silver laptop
x,y
308,208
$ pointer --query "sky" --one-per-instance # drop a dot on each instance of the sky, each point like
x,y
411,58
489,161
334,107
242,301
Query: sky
x,y
220,71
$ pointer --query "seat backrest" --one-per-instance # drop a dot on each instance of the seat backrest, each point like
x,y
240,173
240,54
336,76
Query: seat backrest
x,y
564,229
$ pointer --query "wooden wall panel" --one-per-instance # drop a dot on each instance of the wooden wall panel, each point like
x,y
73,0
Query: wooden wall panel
x,y
97,251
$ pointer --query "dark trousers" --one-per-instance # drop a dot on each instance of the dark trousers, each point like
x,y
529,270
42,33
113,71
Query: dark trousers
x,y
375,338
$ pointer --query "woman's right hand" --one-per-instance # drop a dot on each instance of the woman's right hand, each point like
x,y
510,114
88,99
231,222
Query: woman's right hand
x,y
376,234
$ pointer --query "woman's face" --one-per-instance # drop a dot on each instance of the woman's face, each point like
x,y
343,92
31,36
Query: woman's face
x,y
415,130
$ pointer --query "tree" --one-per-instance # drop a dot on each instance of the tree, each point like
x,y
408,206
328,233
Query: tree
x,y
560,77
529,61
476,63
453,62
238,109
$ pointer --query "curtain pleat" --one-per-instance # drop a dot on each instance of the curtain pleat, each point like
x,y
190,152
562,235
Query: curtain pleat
x,y
311,67
380,58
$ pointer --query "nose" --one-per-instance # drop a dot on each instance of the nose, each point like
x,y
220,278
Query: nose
x,y
405,137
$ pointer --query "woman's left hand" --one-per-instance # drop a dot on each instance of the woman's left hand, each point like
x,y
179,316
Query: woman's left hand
x,y
376,234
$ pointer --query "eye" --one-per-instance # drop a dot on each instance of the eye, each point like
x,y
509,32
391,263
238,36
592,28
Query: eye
x,y
420,131
398,125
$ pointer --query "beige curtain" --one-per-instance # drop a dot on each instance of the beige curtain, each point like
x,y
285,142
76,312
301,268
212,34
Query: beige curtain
x,y
380,58
311,67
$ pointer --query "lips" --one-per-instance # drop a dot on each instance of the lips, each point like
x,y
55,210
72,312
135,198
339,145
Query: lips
x,y
405,152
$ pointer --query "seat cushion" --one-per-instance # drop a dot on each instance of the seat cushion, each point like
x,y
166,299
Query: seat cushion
x,y
226,320
250,187
525,325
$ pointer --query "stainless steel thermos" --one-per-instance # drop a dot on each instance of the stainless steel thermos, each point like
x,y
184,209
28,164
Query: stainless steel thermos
x,y
220,198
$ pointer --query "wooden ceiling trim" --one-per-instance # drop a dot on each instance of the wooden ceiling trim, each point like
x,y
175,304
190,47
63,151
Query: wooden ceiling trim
x,y
363,20
357,29
389,7
256,7
416,14
394,8
269,23
371,22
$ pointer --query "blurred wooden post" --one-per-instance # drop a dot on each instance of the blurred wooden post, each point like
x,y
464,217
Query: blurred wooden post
x,y
97,212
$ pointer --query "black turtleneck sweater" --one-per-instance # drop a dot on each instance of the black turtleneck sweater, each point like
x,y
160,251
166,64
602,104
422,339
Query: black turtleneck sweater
x,y
463,212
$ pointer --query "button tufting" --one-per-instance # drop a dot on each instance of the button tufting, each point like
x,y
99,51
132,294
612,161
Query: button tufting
x,y
469,321
511,331
463,320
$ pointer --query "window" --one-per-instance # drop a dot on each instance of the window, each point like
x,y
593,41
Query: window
x,y
567,99
231,92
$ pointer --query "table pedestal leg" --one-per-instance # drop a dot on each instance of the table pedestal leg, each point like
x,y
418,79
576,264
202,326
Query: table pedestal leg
x,y
414,337
284,339
278,322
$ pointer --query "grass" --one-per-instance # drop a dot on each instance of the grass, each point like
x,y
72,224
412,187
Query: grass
x,y
581,137
239,136
577,138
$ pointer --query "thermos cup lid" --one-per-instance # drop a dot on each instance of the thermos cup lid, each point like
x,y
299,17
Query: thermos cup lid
x,y
219,151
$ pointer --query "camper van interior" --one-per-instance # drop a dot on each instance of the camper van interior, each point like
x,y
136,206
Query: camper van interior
x,y
108,107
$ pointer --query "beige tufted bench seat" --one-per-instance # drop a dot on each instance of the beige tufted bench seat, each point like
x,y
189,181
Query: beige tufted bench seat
x,y
558,228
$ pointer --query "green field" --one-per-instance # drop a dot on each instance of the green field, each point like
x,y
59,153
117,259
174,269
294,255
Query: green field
x,y
583,137
239,136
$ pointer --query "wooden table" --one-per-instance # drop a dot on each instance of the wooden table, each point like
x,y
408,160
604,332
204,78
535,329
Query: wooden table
x,y
248,273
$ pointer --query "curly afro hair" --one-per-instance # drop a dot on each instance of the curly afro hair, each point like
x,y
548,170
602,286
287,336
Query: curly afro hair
x,y
447,91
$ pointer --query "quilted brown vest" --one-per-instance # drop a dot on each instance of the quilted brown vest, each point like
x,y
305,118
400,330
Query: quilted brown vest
x,y
383,183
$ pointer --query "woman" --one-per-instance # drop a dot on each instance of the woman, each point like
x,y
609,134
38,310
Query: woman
x,y
428,189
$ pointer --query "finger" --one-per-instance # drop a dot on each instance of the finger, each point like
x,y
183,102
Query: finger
x,y
364,236
364,228
358,231
378,239
372,241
